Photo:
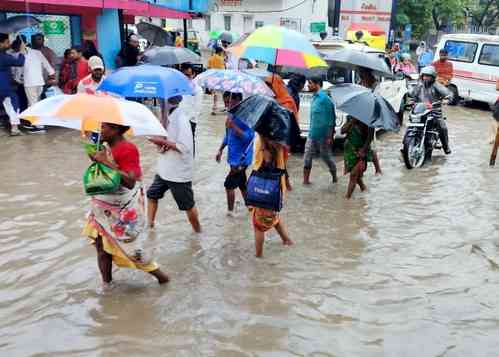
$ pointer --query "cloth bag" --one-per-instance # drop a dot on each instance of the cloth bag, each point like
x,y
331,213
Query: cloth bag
x,y
100,179
264,190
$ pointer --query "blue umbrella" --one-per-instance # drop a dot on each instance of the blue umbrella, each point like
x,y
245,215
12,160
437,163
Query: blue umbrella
x,y
147,81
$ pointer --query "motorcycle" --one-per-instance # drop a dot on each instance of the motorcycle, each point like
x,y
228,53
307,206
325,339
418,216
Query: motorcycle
x,y
421,136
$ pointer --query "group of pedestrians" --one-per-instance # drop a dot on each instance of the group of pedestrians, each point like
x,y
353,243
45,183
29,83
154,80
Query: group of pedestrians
x,y
28,73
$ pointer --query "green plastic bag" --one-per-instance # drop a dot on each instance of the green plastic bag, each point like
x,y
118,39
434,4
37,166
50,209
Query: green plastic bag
x,y
100,179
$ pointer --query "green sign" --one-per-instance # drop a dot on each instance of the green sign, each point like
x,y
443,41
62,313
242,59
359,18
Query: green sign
x,y
318,27
54,27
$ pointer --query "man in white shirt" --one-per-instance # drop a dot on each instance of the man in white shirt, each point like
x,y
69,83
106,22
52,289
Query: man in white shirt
x,y
34,80
191,104
175,166
90,83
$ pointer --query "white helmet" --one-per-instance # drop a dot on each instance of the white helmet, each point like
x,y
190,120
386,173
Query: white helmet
x,y
429,71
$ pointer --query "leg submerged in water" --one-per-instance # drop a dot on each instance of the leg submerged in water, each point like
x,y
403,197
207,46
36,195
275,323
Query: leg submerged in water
x,y
104,261
162,277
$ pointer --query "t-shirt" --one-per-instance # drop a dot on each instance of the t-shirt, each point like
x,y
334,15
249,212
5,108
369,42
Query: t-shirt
x,y
322,116
34,67
173,165
126,156
216,62
240,147
88,85
445,70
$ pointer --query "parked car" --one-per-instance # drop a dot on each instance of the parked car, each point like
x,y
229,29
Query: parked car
x,y
476,65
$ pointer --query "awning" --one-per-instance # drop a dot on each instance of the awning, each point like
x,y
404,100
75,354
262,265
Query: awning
x,y
129,7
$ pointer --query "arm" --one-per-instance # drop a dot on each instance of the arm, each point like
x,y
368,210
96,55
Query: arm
x,y
370,136
347,127
332,123
46,65
127,178
12,61
218,157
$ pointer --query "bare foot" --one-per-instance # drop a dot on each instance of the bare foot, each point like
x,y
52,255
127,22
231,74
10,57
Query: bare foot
x,y
307,183
288,186
378,173
162,277
288,242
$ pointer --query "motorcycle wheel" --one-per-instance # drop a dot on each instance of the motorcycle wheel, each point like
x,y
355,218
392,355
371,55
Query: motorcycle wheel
x,y
414,156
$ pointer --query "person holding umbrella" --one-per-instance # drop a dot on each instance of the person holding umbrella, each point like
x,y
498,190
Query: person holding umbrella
x,y
357,153
239,140
216,61
322,124
7,96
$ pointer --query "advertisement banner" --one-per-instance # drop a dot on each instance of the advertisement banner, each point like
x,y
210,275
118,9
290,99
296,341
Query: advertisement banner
x,y
372,13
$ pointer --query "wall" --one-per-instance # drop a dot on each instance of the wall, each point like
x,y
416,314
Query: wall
x,y
301,16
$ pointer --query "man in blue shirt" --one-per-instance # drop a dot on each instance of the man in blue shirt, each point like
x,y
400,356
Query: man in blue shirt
x,y
239,139
320,135
8,98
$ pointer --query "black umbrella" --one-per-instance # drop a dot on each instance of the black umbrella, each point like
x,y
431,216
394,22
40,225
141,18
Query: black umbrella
x,y
170,55
266,117
155,34
17,23
347,57
365,105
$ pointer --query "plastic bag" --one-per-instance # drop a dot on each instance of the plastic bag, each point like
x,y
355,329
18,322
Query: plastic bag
x,y
100,179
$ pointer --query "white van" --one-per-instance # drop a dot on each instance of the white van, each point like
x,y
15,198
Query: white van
x,y
476,65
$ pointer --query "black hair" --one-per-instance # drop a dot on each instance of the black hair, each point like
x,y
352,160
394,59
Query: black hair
x,y
39,34
185,66
67,51
16,45
218,49
444,51
359,34
236,96
122,129
297,80
77,48
3,37
317,80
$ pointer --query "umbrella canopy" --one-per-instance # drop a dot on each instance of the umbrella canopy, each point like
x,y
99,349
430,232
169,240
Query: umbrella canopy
x,y
170,55
279,46
365,105
155,34
258,72
17,23
147,81
232,81
307,72
266,117
226,37
87,112
359,58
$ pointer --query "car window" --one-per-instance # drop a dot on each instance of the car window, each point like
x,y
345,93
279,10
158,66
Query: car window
x,y
489,55
336,75
461,51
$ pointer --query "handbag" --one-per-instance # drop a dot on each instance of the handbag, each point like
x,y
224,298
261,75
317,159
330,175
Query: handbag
x,y
264,190
100,179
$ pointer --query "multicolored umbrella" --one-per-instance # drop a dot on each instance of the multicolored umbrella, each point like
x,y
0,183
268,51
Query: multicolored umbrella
x,y
147,81
87,112
279,46
225,80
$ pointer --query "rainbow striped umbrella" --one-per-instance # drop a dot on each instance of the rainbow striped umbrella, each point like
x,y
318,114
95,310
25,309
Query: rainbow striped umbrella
x,y
86,112
279,46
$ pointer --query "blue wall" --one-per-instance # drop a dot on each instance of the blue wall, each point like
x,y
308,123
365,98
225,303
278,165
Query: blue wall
x,y
108,36
183,5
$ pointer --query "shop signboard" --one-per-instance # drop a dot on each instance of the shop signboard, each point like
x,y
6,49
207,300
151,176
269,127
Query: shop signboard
x,y
51,27
368,12
317,27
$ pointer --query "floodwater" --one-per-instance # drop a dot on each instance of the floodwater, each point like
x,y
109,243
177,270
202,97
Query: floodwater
x,y
410,268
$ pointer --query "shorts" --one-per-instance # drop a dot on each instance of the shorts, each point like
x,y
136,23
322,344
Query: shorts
x,y
236,178
181,191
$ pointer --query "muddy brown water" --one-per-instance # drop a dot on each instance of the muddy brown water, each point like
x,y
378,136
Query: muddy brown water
x,y
410,268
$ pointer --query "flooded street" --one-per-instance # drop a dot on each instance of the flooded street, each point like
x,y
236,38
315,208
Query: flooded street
x,y
410,268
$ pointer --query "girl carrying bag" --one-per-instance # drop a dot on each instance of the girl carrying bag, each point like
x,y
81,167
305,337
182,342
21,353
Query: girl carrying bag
x,y
264,189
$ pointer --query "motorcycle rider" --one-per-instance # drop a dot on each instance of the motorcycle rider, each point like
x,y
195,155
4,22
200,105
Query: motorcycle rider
x,y
431,91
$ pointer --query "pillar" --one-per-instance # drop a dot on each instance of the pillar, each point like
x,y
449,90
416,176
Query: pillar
x,y
108,36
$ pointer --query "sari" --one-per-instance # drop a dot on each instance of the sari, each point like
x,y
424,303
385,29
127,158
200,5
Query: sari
x,y
265,219
119,219
355,141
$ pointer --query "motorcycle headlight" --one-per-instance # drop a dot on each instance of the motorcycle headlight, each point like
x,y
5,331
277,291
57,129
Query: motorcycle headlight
x,y
415,118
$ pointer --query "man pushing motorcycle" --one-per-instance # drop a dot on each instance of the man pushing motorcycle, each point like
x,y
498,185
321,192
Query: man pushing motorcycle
x,y
429,91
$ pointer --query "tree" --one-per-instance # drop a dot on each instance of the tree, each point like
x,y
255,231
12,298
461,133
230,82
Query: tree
x,y
427,14
485,13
